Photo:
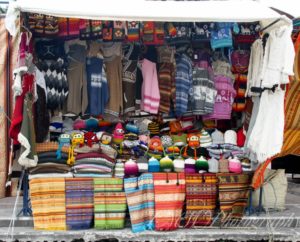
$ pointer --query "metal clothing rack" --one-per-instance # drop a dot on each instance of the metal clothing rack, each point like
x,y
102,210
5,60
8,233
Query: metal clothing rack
x,y
26,209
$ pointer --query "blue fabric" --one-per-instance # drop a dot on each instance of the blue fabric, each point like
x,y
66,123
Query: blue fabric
x,y
98,93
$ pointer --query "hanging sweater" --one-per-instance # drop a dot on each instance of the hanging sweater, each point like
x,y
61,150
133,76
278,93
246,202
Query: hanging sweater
x,y
204,91
150,91
98,93
224,98
183,82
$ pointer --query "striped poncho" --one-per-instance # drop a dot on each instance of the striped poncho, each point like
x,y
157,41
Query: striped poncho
x,y
140,199
109,203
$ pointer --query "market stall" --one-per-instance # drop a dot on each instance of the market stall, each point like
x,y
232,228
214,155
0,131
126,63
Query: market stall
x,y
162,116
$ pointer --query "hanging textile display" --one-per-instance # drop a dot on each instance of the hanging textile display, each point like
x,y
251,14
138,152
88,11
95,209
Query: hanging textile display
x,y
140,199
169,195
43,192
109,203
79,203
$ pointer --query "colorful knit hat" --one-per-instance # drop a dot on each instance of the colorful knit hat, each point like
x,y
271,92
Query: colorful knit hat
x,y
153,165
91,124
133,31
118,135
179,139
144,138
213,165
142,163
153,127
246,164
223,165
119,169
166,140
205,139
166,164
230,137
79,124
131,168
201,164
217,137
241,138
131,128
235,165
189,165
178,164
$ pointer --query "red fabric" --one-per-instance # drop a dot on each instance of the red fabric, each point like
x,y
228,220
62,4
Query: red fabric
x,y
240,138
16,122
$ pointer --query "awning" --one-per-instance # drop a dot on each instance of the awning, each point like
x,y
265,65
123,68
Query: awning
x,y
143,10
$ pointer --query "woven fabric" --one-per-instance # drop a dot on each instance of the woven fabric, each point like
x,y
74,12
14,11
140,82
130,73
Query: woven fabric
x,y
79,203
140,199
109,203
201,198
233,194
291,139
169,195
48,201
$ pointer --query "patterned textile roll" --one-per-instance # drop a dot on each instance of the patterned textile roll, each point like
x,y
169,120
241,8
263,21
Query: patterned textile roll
x,y
201,198
79,203
48,203
140,199
233,194
109,203
169,194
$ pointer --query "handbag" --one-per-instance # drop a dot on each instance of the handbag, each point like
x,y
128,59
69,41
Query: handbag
x,y
274,190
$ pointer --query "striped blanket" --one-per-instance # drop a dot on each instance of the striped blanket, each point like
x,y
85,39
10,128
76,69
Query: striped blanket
x,y
109,203
48,203
140,199
291,139
233,194
201,198
79,203
169,195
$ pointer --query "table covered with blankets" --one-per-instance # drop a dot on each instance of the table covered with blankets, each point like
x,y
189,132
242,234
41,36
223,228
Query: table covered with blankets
x,y
155,201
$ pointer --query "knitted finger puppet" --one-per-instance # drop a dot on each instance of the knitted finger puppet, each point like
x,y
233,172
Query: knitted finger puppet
x,y
76,139
63,140
118,134
90,138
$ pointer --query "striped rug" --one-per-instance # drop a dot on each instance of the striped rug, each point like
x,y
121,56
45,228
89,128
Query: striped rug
x,y
201,198
48,203
109,203
233,194
79,203
140,199
169,195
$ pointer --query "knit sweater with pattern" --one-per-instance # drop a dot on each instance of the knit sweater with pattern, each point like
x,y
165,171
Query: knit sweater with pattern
x,y
183,82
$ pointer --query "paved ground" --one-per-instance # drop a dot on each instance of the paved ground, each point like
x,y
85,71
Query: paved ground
x,y
271,226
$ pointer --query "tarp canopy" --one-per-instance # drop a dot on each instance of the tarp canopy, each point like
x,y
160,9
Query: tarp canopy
x,y
142,10
291,7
